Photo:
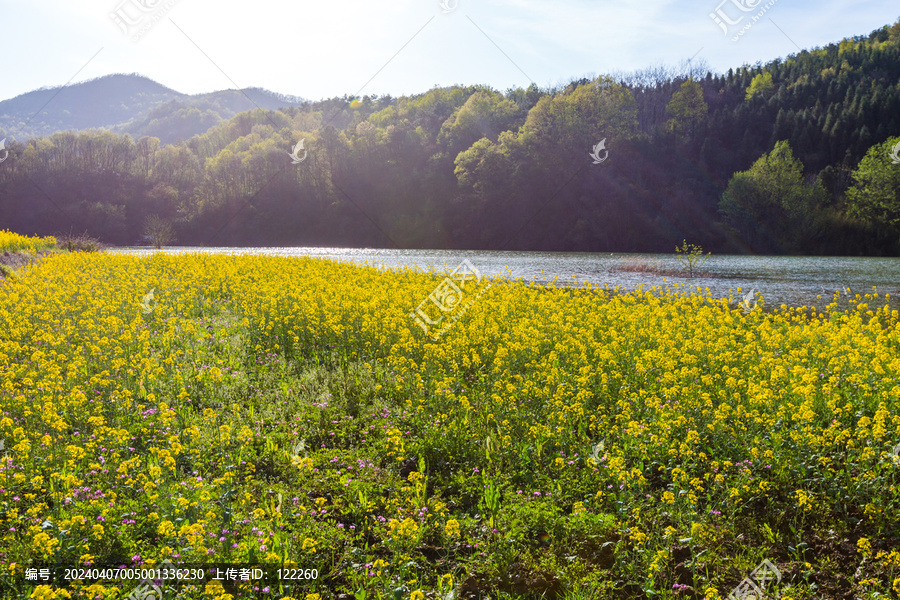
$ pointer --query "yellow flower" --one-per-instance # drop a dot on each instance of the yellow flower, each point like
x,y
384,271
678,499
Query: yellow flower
x,y
698,376
711,593
659,560
803,500
638,536
214,588
45,592
405,528
417,595
96,590
696,530
44,544
445,582
165,529
303,463
452,528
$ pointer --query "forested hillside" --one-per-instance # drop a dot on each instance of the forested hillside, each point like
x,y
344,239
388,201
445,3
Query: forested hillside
x,y
793,156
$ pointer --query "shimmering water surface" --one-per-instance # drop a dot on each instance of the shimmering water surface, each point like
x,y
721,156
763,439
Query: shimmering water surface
x,y
790,280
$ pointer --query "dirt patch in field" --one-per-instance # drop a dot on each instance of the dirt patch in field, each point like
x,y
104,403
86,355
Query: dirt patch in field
x,y
16,260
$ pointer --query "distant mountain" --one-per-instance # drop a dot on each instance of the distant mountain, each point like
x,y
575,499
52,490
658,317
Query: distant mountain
x,y
128,104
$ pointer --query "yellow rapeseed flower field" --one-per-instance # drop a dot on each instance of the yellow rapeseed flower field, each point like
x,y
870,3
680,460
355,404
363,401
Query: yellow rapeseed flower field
x,y
588,440
13,242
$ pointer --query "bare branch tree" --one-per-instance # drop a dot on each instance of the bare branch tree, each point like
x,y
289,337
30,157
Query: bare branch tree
x,y
159,230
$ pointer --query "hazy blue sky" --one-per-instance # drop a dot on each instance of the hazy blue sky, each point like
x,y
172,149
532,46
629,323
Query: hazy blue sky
x,y
325,48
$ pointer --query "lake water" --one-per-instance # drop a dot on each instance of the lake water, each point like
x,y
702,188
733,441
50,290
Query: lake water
x,y
790,280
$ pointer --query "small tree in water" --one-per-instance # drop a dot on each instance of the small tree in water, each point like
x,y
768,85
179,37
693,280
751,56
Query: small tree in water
x,y
690,257
159,230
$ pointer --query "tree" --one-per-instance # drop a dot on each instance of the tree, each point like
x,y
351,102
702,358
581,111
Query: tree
x,y
484,115
760,85
771,205
483,166
687,109
690,257
875,194
561,129
894,31
159,231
